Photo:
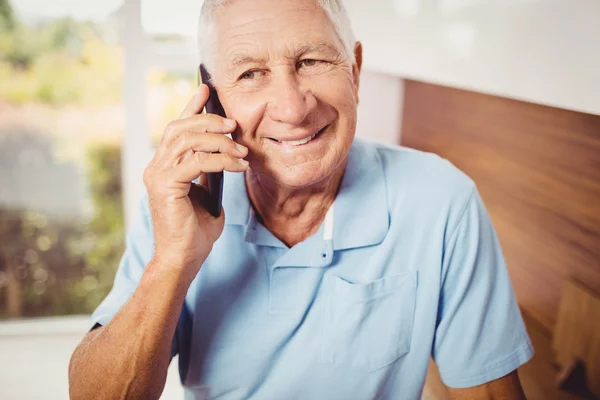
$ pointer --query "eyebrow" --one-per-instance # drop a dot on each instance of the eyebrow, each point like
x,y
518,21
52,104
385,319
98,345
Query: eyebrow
x,y
240,59
319,47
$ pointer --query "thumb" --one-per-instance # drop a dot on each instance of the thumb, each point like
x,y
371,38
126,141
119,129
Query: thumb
x,y
196,104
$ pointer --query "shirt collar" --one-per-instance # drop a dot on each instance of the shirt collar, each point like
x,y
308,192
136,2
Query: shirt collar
x,y
361,216
235,199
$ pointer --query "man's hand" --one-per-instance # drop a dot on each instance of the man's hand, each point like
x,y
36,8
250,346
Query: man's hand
x,y
184,230
129,357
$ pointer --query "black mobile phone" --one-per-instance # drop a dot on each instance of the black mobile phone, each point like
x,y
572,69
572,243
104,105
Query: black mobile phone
x,y
215,179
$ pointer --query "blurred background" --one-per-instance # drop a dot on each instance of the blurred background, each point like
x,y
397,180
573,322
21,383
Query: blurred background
x,y
509,91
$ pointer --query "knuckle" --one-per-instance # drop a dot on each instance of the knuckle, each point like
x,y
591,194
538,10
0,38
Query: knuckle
x,y
201,157
148,178
183,141
204,126
230,160
226,145
201,123
170,130
212,118
216,122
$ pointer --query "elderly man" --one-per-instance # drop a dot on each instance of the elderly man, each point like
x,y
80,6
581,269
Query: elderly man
x,y
338,267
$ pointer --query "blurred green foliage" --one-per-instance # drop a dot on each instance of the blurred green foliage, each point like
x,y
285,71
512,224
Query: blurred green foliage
x,y
59,266
106,228
50,265
7,18
57,62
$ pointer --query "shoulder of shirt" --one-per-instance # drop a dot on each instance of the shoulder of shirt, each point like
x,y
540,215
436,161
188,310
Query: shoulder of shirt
x,y
422,178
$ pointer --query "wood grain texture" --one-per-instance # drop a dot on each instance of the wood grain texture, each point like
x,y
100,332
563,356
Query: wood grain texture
x,y
538,171
577,332
538,376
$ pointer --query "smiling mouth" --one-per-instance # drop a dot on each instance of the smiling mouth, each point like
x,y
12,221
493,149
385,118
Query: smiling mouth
x,y
299,142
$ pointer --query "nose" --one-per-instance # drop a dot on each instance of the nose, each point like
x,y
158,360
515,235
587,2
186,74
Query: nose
x,y
289,103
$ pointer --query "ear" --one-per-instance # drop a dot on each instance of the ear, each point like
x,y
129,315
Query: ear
x,y
356,67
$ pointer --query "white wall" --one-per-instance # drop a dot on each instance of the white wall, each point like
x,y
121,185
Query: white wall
x,y
543,51
380,107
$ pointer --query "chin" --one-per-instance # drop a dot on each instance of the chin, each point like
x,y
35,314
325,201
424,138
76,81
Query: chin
x,y
298,176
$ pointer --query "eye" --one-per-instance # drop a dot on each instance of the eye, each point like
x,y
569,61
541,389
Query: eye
x,y
308,63
252,74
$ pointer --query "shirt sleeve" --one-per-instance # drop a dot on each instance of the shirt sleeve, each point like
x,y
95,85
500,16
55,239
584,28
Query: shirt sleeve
x,y
480,334
139,249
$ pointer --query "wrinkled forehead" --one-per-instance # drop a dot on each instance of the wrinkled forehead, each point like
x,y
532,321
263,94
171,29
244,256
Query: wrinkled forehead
x,y
273,28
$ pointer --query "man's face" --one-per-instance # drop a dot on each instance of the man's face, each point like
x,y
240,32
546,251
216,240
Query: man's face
x,y
282,74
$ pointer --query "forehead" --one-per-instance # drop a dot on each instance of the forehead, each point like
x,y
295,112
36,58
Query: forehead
x,y
277,26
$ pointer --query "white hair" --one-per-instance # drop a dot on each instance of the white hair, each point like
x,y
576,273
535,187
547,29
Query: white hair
x,y
334,9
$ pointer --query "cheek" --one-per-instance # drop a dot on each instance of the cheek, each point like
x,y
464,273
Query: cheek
x,y
247,109
338,91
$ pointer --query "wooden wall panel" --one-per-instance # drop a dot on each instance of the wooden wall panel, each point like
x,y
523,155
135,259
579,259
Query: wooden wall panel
x,y
577,333
538,171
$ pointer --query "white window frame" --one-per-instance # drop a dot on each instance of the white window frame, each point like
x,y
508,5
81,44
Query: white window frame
x,y
136,148
139,53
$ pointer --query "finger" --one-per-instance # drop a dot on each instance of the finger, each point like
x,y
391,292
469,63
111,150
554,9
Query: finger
x,y
201,123
190,142
202,163
196,103
202,200
203,180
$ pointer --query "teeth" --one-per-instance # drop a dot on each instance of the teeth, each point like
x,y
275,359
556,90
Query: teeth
x,y
299,142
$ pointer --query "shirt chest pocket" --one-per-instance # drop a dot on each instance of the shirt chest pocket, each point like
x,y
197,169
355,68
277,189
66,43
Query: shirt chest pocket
x,y
368,325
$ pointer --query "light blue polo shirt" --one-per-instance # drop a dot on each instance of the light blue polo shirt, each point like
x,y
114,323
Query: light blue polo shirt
x,y
407,266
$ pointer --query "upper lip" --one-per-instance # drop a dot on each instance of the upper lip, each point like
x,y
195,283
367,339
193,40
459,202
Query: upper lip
x,y
297,136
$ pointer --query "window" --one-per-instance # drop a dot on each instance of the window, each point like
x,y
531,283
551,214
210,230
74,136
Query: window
x,y
61,126
172,59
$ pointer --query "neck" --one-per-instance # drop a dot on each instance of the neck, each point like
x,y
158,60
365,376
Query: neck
x,y
279,208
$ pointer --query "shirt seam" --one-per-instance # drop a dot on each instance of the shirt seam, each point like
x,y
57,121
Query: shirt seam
x,y
462,215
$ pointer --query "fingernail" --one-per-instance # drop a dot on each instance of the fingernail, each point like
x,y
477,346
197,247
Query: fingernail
x,y
241,148
230,123
243,162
